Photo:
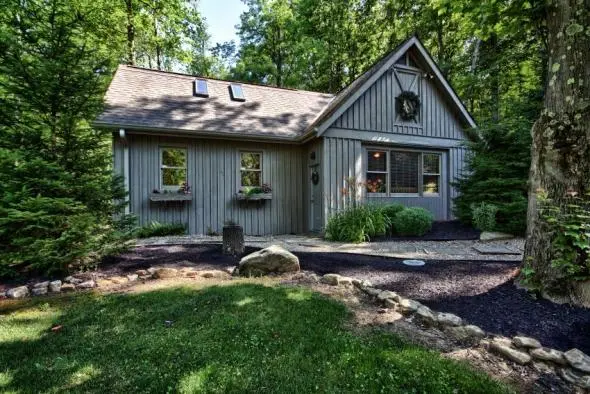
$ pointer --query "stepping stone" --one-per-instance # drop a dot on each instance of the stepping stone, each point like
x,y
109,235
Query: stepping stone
x,y
493,249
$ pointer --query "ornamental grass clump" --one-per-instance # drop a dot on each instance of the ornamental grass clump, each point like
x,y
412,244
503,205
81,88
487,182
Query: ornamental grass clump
x,y
413,222
357,224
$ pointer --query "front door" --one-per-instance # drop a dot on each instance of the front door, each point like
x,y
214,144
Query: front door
x,y
316,198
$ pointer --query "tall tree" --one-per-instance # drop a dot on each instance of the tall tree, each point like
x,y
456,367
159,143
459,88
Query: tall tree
x,y
561,148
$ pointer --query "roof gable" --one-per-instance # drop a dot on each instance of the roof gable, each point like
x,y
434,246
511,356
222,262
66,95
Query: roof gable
x,y
347,97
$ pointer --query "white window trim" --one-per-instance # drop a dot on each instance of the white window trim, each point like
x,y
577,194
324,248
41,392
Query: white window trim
x,y
185,168
257,151
421,174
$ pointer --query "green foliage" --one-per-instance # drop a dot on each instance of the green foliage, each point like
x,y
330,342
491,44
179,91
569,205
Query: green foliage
x,y
357,224
413,221
217,341
569,223
60,207
496,173
157,229
389,211
484,216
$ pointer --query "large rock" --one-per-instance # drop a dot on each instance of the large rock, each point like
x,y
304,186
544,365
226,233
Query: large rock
x,y
578,359
89,284
273,259
37,291
547,354
55,286
448,319
425,315
386,294
165,273
510,353
526,342
408,306
575,377
18,292
331,279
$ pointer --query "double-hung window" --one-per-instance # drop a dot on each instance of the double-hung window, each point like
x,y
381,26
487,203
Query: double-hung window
x,y
172,167
250,169
392,172
377,171
430,174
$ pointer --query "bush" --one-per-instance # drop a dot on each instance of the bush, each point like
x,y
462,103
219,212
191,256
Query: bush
x,y
357,224
484,216
413,222
497,173
44,225
389,212
157,229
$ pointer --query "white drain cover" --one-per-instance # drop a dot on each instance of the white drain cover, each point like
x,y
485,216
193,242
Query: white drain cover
x,y
414,263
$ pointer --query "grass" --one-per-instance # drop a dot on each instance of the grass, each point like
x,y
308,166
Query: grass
x,y
237,338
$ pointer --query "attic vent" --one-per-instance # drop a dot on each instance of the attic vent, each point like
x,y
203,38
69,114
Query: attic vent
x,y
200,88
237,94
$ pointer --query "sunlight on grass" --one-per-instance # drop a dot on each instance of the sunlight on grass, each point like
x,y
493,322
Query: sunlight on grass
x,y
298,296
242,338
245,301
83,375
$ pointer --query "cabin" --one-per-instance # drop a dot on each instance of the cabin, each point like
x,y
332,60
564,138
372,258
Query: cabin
x,y
205,152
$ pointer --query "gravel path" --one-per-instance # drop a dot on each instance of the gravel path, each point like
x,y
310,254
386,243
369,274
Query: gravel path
x,y
482,292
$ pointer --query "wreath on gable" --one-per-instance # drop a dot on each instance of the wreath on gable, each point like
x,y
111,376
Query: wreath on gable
x,y
407,105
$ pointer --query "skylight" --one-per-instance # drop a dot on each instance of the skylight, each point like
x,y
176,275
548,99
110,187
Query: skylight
x,y
200,88
237,93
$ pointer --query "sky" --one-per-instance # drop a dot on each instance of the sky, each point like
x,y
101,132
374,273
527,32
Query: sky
x,y
222,16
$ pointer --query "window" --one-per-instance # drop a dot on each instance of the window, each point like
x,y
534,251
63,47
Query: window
x,y
250,169
200,86
376,171
431,173
172,167
404,172
399,172
237,93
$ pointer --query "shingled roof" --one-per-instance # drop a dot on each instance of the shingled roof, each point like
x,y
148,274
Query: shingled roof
x,y
145,99
141,98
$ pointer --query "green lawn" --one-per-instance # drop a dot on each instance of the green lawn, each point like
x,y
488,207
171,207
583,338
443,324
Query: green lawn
x,y
237,338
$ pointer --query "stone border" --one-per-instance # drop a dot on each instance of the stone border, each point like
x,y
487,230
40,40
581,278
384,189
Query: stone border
x,y
573,365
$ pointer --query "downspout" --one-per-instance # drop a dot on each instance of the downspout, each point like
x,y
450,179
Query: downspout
x,y
125,144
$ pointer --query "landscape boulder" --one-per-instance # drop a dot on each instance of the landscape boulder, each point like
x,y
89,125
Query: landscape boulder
x,y
504,349
578,360
548,354
55,286
18,292
331,279
165,273
526,342
448,319
271,260
89,284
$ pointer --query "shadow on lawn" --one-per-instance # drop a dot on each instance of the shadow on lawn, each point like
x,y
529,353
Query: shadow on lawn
x,y
239,338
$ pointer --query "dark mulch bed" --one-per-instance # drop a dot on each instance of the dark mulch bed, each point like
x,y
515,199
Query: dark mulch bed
x,y
483,293
441,231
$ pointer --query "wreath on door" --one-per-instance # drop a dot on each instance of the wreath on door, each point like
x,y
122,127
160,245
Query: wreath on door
x,y
315,177
407,105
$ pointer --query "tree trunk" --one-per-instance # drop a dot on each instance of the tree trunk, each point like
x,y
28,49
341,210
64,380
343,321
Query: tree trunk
x,y
233,240
130,33
561,137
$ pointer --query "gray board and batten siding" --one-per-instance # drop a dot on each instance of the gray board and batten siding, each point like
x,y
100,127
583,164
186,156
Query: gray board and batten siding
x,y
213,170
371,121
